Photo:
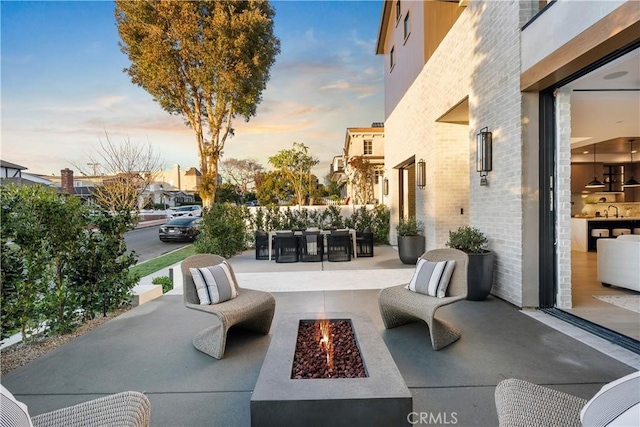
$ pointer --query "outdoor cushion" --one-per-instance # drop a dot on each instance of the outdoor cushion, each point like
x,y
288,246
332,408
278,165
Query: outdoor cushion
x,y
432,278
214,284
12,412
616,404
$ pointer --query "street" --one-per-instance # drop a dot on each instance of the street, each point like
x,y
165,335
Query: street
x,y
145,243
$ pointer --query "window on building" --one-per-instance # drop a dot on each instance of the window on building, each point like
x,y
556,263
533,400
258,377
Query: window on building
x,y
368,146
407,26
392,58
398,11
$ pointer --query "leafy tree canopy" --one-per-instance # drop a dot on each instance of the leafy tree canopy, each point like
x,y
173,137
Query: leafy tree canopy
x,y
207,60
295,166
241,173
271,187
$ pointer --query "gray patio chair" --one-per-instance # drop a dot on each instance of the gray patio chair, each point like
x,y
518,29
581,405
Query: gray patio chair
x,y
521,404
399,306
251,309
126,409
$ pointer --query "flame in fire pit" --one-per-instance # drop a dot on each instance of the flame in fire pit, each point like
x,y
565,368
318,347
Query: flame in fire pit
x,y
325,342
327,348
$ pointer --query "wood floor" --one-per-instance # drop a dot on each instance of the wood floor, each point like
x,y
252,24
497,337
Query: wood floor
x,y
585,285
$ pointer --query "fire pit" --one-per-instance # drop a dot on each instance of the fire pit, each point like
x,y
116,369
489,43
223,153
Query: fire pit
x,y
327,349
311,379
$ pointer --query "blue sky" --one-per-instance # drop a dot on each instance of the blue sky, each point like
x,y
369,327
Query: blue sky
x,y
63,86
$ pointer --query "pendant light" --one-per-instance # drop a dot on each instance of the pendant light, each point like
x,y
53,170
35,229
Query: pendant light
x,y
631,182
595,182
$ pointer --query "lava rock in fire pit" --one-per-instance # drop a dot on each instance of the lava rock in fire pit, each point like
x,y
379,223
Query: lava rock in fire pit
x,y
327,349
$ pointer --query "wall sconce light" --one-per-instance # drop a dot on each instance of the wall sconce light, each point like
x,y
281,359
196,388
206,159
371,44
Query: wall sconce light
x,y
385,187
422,174
484,156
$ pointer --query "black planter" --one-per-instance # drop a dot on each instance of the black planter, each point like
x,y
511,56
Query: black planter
x,y
480,276
410,248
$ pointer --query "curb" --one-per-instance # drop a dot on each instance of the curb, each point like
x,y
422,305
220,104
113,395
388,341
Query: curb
x,y
151,223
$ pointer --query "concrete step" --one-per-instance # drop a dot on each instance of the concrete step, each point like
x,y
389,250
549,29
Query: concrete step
x,y
145,293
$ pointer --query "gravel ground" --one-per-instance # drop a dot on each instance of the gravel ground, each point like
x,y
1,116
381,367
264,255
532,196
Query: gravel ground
x,y
22,353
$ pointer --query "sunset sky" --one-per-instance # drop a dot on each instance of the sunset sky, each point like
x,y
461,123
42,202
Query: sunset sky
x,y
63,86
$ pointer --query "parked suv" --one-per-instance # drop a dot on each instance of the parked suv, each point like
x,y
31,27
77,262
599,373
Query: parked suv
x,y
192,210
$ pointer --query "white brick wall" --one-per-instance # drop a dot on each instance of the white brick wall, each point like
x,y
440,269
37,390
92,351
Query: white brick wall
x,y
479,58
563,202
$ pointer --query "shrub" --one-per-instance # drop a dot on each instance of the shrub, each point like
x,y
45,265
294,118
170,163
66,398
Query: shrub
x,y
165,281
380,224
222,231
410,227
333,218
273,218
467,239
55,269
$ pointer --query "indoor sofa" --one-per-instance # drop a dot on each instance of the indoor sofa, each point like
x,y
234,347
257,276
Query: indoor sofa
x,y
619,261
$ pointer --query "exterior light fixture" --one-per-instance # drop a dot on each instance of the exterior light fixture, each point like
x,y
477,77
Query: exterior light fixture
x,y
422,174
484,155
631,182
595,182
385,187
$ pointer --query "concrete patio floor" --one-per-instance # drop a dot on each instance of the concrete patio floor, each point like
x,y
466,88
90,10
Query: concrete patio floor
x,y
149,349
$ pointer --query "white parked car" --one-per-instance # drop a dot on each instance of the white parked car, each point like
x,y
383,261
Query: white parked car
x,y
191,210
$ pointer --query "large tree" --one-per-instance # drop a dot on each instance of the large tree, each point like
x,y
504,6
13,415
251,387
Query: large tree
x,y
207,61
241,172
273,187
295,166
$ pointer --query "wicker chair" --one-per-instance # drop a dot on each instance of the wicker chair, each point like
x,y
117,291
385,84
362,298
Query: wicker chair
x,y
286,247
364,243
311,246
399,306
251,309
521,404
339,246
262,244
126,409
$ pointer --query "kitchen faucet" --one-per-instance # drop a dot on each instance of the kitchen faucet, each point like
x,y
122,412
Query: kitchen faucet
x,y
615,207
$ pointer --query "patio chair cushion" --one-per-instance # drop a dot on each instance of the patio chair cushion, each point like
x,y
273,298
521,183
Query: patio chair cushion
x,y
214,284
432,278
616,404
12,411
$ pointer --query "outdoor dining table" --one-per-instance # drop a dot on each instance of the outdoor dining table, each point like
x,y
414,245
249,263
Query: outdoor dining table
x,y
352,232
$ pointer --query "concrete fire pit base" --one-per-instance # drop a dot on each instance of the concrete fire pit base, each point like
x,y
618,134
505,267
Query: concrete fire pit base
x,y
381,399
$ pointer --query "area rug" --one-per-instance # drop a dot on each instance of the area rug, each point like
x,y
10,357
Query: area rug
x,y
628,302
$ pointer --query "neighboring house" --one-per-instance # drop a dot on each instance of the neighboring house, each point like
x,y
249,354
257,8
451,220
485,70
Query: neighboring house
x,y
163,193
336,174
81,188
10,170
538,76
188,180
11,173
364,144
191,180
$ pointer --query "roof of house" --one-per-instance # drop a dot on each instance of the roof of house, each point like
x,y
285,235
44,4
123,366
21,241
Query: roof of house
x,y
6,164
193,171
17,182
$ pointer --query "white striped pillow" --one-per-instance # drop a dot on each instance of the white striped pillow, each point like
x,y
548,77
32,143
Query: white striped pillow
x,y
616,404
431,278
214,284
